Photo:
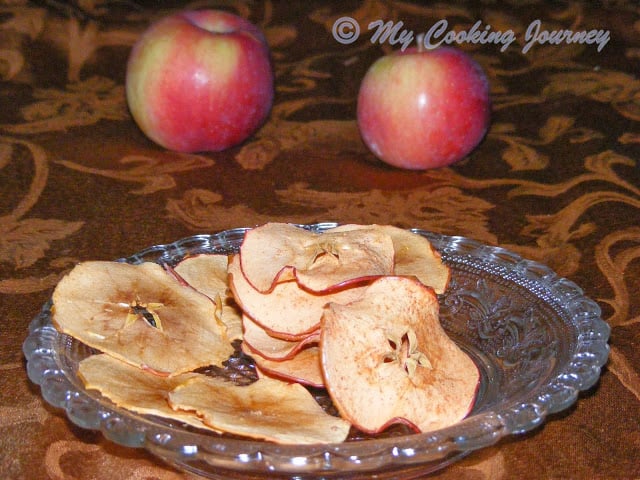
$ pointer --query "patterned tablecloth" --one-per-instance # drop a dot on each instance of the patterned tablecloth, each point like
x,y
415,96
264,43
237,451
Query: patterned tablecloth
x,y
556,180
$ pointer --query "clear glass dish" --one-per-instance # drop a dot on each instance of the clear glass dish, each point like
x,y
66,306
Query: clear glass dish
x,y
537,340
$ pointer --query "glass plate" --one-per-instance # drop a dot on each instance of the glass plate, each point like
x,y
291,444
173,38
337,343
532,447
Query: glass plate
x,y
537,340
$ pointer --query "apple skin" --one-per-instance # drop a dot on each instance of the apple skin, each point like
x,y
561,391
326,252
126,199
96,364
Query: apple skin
x,y
200,80
423,109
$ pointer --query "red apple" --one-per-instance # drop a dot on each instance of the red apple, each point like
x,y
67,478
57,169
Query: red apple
x,y
200,80
422,109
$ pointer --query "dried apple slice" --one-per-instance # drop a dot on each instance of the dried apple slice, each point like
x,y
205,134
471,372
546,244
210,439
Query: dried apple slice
x,y
414,255
135,389
141,315
303,368
276,252
287,312
207,273
267,409
256,340
386,359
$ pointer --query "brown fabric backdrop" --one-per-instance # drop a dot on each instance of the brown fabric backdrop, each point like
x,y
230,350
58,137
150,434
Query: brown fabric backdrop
x,y
557,180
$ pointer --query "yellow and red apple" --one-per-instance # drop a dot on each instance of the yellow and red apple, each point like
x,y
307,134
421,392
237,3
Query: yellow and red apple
x,y
421,109
200,80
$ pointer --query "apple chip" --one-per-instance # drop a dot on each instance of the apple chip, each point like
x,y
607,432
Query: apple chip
x,y
386,359
135,389
267,409
141,315
256,340
207,273
303,368
287,311
414,255
276,252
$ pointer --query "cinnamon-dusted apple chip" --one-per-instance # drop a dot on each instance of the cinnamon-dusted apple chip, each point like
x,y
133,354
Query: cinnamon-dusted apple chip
x,y
414,255
267,409
386,359
135,389
276,252
256,340
207,273
304,367
141,315
287,311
